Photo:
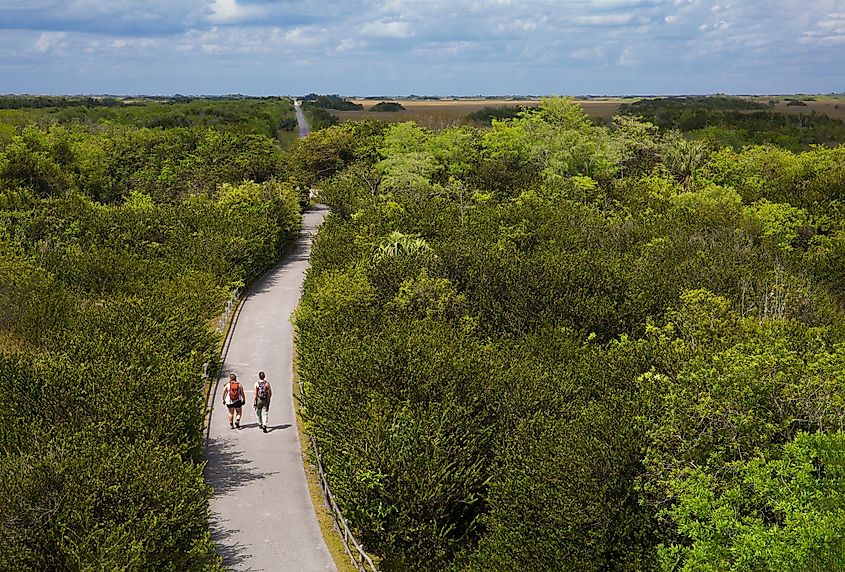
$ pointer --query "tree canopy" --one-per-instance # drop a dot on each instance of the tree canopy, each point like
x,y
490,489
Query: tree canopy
x,y
556,345
119,246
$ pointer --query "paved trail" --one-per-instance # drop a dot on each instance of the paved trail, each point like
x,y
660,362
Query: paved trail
x,y
262,516
304,128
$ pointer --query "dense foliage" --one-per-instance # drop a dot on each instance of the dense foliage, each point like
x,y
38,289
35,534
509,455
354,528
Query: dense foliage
x,y
487,114
552,345
118,247
35,101
331,102
387,106
735,122
107,161
317,117
258,116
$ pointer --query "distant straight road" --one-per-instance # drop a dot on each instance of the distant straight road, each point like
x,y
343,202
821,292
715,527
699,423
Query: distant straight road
x,y
304,128
262,516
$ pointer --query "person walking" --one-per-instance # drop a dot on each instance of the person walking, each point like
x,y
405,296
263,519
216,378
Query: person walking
x,y
261,401
234,398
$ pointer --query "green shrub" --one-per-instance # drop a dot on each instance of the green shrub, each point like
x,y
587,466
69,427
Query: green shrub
x,y
387,106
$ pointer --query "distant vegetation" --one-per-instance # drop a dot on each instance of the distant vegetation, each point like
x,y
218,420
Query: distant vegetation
x,y
318,118
260,116
554,345
735,122
315,107
710,103
119,245
38,101
332,102
488,114
387,106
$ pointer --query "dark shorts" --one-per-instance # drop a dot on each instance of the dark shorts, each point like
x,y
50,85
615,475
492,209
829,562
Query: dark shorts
x,y
235,404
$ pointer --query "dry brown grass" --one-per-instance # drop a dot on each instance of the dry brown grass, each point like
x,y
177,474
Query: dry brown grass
x,y
832,106
442,113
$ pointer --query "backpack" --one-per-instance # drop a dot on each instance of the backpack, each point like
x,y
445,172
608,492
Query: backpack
x,y
234,391
262,391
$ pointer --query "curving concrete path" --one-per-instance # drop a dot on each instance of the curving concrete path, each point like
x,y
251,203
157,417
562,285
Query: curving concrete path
x,y
262,516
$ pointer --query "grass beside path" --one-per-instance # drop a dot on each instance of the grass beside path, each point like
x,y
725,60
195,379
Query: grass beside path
x,y
324,516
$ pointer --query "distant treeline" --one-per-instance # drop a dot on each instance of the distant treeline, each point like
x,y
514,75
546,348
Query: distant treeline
x,y
710,102
735,122
332,102
37,101
720,120
318,117
387,106
266,116
487,114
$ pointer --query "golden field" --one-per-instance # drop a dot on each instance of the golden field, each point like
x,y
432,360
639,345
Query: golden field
x,y
832,106
441,113
447,112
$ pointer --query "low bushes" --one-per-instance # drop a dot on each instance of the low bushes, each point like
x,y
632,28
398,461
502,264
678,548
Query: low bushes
x,y
558,346
109,307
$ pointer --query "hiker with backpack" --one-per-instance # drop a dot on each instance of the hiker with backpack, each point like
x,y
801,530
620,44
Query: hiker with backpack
x,y
261,401
234,398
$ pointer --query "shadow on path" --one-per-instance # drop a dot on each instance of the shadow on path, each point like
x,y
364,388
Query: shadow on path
x,y
227,470
233,554
254,425
297,254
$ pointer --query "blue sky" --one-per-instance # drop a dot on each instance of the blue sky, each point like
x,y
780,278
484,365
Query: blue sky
x,y
436,47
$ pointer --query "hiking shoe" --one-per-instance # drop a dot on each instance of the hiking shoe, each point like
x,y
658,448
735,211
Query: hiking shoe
x,y
264,428
231,426
238,424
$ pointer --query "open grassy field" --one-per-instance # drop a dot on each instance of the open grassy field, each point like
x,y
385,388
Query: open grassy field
x,y
441,113
832,106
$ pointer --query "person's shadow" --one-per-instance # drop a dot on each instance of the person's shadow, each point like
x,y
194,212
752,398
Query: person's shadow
x,y
271,428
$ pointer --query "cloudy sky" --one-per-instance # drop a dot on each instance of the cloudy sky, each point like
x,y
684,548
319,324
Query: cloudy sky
x,y
436,47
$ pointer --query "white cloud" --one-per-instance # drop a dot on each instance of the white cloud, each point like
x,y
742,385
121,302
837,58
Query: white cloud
x,y
349,45
523,25
605,19
828,31
230,12
387,29
589,54
393,6
50,41
439,50
301,36
627,57
600,43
